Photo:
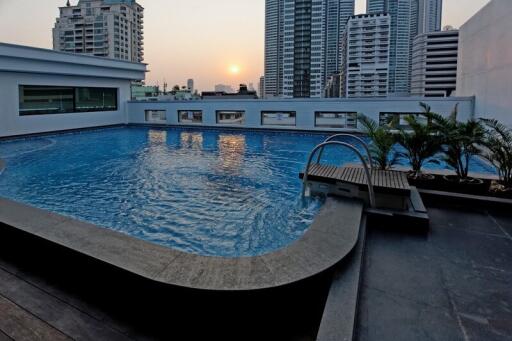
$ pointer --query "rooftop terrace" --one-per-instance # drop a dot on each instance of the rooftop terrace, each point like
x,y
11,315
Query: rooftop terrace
x,y
453,284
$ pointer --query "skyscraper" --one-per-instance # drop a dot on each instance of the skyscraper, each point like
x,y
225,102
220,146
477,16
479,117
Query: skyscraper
x,y
103,28
273,48
434,64
190,85
337,13
429,16
367,48
302,45
408,19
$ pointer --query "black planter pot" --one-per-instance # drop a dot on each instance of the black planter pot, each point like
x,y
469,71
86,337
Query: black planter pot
x,y
425,181
468,186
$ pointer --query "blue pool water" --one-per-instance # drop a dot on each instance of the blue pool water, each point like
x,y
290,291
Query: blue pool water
x,y
201,191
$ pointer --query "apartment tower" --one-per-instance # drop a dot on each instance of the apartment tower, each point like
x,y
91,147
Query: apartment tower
x,y
408,19
302,45
434,64
103,28
367,61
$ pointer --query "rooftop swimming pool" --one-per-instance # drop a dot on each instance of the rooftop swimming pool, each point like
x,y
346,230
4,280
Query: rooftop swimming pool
x,y
208,192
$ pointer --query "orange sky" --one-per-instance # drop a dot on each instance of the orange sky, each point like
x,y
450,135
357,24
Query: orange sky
x,y
184,39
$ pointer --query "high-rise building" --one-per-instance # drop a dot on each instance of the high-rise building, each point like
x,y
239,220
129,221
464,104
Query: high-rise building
x,y
337,13
434,64
224,88
408,19
104,28
261,88
190,85
302,45
273,48
429,15
367,61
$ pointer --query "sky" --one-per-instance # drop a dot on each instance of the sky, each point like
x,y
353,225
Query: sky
x,y
213,42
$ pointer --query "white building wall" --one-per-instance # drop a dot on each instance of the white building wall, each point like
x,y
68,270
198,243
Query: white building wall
x,y
13,124
305,109
485,61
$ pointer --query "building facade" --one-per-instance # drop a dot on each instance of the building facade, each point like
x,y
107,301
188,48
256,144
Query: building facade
x,y
337,14
261,87
434,64
408,19
44,90
274,19
302,45
190,85
429,16
368,57
102,28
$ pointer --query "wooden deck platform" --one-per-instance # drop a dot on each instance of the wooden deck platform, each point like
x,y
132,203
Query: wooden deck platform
x,y
389,182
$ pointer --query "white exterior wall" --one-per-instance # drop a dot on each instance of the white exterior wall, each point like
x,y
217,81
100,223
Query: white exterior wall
x,y
21,65
14,124
305,109
367,66
485,61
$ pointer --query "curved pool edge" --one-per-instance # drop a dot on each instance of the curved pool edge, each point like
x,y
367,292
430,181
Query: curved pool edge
x,y
331,237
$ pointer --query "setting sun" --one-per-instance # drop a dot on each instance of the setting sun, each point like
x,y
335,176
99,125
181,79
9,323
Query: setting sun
x,y
234,69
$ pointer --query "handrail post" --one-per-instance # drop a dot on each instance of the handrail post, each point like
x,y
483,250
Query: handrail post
x,y
356,151
360,140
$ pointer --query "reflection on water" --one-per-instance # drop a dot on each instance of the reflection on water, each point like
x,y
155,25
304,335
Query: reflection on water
x,y
157,136
191,140
231,152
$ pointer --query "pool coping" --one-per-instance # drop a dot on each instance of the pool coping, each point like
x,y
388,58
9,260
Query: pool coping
x,y
332,236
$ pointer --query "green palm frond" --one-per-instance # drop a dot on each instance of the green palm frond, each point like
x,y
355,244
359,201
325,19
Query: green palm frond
x,y
383,141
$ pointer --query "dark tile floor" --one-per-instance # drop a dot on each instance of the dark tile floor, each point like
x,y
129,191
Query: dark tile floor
x,y
454,284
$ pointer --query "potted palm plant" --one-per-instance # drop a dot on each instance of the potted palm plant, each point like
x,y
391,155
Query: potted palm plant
x,y
498,150
383,141
420,143
462,141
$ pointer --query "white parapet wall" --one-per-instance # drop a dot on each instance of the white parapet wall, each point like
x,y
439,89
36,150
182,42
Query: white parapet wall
x,y
305,111
45,70
485,61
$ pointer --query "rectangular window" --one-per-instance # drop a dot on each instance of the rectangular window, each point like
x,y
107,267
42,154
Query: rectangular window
x,y
230,117
156,116
41,100
190,116
336,119
278,118
397,119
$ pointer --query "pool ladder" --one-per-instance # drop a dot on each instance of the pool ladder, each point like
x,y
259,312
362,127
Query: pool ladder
x,y
330,142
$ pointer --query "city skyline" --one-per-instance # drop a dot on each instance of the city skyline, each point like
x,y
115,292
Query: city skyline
x,y
186,39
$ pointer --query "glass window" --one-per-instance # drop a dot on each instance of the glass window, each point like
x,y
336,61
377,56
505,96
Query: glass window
x,y
40,100
190,116
96,99
397,119
336,119
278,118
156,116
230,117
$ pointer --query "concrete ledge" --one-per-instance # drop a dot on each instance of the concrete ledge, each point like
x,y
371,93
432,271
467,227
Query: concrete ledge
x,y
434,198
340,313
332,236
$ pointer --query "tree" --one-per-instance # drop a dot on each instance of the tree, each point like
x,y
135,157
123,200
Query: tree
x,y
461,141
383,140
498,143
420,142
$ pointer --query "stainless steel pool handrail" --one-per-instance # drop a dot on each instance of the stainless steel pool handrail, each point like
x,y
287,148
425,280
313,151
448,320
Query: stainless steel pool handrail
x,y
357,138
371,192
